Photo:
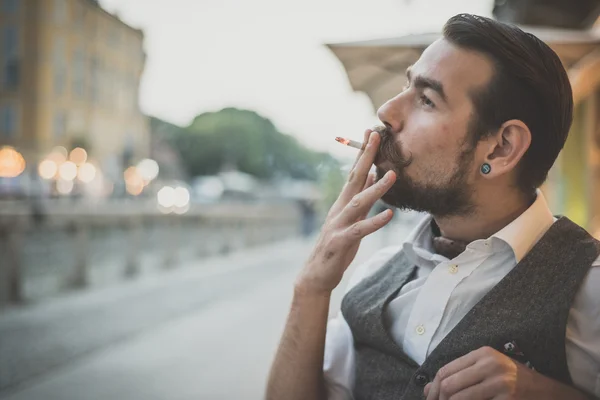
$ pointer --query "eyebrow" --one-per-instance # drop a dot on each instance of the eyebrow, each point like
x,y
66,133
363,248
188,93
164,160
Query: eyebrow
x,y
421,82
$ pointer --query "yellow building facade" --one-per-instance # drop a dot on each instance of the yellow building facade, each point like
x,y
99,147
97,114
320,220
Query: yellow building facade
x,y
70,75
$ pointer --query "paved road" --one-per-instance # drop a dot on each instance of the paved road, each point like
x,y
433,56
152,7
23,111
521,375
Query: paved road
x,y
203,331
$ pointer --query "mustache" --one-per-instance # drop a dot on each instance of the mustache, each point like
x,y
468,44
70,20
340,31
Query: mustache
x,y
390,150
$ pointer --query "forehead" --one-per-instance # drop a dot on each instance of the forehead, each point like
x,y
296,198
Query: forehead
x,y
459,70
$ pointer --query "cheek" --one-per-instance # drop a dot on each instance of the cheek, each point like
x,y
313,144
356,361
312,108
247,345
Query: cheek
x,y
434,150
430,142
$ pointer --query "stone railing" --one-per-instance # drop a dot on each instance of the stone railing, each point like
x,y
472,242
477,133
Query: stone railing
x,y
64,246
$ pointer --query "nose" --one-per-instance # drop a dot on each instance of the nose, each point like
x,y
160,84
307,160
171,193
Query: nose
x,y
391,114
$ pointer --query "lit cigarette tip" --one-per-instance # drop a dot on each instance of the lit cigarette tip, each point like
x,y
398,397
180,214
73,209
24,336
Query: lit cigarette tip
x,y
351,143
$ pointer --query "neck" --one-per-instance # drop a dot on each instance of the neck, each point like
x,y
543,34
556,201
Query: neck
x,y
490,216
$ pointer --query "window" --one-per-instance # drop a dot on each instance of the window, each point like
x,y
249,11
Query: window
x,y
10,6
108,87
95,70
59,51
78,15
60,11
60,81
8,120
78,73
60,124
10,78
60,66
10,46
10,57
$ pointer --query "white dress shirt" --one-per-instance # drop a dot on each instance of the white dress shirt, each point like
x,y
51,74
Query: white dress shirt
x,y
444,291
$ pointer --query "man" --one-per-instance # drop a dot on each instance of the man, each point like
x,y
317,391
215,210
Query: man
x,y
490,297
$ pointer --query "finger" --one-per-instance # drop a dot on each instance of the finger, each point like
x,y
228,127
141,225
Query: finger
x,y
434,390
361,151
361,229
370,181
447,371
426,389
343,198
361,203
358,174
462,380
457,365
488,389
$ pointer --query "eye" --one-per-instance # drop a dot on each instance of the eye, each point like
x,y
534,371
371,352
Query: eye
x,y
424,100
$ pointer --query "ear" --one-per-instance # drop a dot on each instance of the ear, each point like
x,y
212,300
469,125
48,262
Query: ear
x,y
507,147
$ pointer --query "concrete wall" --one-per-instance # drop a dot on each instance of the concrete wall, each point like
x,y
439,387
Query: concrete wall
x,y
73,247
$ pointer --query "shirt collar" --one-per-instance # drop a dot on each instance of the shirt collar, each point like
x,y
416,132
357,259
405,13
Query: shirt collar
x,y
525,231
521,234
417,245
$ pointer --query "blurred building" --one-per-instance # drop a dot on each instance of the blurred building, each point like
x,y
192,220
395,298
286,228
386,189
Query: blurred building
x,y
70,75
377,68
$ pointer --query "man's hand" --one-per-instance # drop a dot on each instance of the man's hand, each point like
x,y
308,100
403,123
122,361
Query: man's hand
x,y
488,374
346,223
297,371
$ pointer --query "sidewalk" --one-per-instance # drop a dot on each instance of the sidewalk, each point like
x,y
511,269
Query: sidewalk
x,y
38,338
184,334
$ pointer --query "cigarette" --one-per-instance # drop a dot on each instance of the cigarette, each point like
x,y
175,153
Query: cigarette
x,y
351,143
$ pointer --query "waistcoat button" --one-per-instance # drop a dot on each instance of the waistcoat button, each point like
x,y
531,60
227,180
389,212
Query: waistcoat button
x,y
421,379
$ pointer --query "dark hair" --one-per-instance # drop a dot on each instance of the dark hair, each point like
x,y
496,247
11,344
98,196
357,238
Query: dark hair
x,y
529,84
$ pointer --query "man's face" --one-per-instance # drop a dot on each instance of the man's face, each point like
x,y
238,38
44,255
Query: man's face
x,y
428,126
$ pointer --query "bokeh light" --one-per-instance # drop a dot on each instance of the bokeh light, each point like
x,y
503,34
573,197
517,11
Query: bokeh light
x,y
181,197
134,188
181,210
12,163
131,174
86,172
78,156
58,154
166,197
148,169
48,169
134,183
64,187
67,171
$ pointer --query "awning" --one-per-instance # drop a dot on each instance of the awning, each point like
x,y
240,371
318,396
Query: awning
x,y
377,67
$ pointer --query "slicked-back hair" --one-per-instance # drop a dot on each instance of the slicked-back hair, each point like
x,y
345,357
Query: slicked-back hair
x,y
529,83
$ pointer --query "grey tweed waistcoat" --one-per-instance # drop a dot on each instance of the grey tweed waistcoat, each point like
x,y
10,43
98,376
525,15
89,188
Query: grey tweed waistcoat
x,y
529,306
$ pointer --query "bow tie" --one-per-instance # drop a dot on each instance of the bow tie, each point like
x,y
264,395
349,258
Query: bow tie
x,y
443,246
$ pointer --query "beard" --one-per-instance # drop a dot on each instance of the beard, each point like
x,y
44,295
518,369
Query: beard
x,y
449,197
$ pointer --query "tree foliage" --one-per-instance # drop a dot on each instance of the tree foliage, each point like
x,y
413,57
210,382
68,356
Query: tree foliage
x,y
244,140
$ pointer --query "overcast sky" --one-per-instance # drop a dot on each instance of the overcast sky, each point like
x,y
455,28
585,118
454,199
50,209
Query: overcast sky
x,y
268,56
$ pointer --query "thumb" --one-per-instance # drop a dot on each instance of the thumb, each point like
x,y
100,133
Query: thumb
x,y
426,390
